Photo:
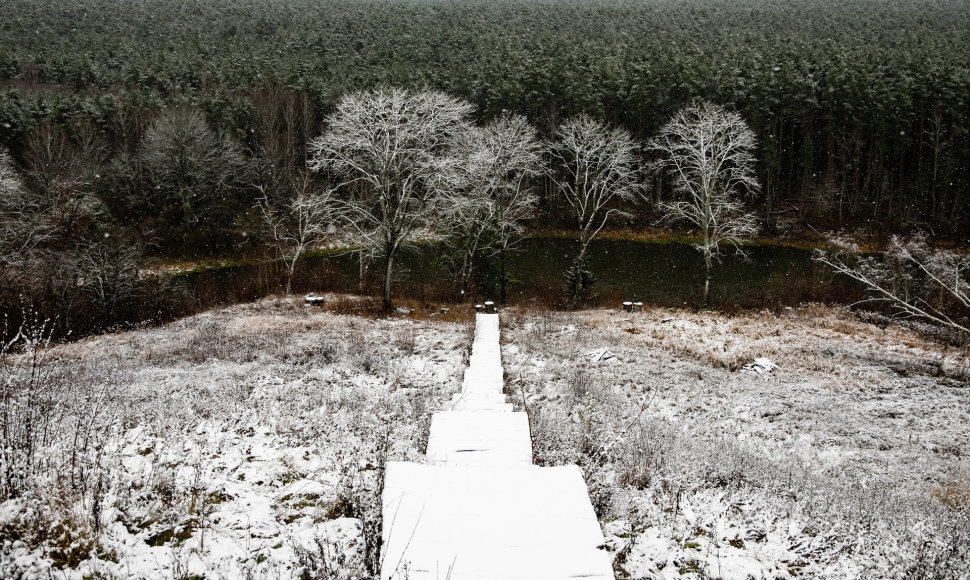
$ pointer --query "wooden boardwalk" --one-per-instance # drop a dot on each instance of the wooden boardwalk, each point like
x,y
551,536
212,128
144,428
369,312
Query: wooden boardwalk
x,y
479,509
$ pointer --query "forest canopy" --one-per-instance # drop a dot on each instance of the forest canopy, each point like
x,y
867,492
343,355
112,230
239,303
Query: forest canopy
x,y
860,108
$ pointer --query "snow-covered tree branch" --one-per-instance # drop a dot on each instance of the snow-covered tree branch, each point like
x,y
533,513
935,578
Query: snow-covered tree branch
x,y
107,270
518,155
466,219
914,279
23,222
596,169
385,145
61,170
707,153
193,170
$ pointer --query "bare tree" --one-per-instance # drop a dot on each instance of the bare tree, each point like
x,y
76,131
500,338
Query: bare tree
x,y
912,278
191,169
596,169
107,270
60,169
386,145
128,125
466,214
485,201
515,156
299,222
282,121
24,223
707,152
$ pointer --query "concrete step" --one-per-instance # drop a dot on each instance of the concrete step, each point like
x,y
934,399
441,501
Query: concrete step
x,y
476,421
502,407
469,397
501,563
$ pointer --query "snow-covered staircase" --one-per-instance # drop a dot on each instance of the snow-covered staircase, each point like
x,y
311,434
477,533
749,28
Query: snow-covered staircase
x,y
481,509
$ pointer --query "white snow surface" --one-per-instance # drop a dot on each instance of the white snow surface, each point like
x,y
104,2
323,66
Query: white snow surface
x,y
482,511
760,365
234,444
495,522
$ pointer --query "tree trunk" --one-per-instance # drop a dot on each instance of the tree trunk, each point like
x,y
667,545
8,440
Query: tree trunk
x,y
108,311
936,164
465,274
707,279
501,261
361,273
707,249
579,283
388,263
289,277
769,207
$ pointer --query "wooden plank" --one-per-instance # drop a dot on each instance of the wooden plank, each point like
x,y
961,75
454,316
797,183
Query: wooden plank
x,y
497,522
480,438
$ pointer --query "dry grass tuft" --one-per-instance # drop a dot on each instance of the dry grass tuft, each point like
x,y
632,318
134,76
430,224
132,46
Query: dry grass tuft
x,y
956,496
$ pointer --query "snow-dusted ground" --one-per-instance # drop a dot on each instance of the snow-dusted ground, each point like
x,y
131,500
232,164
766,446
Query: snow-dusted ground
x,y
850,460
239,443
245,442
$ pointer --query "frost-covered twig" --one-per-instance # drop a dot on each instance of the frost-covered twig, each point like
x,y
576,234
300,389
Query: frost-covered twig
x,y
595,167
298,223
605,449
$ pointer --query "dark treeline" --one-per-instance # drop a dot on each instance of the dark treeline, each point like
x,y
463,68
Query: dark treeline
x,y
860,107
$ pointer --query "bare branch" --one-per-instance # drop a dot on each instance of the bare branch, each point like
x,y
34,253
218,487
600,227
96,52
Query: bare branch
x,y
24,222
298,223
481,188
107,270
595,167
910,277
191,167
